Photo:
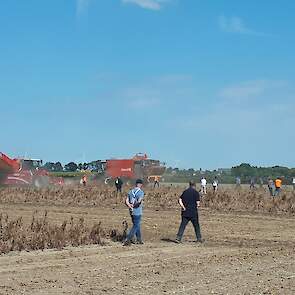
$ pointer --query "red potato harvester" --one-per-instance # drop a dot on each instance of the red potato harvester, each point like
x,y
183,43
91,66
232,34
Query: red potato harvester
x,y
140,166
17,172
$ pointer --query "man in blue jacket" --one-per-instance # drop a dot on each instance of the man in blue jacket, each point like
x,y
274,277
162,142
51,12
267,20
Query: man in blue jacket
x,y
134,202
189,202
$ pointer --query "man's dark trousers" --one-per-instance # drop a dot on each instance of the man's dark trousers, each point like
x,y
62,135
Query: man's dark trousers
x,y
184,221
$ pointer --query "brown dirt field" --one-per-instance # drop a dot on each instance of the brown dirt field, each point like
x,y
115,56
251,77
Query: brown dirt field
x,y
242,254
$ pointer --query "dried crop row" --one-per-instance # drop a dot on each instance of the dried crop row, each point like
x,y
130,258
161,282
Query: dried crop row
x,y
257,201
39,234
164,198
88,196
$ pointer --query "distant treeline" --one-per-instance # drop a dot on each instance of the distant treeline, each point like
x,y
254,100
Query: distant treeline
x,y
228,176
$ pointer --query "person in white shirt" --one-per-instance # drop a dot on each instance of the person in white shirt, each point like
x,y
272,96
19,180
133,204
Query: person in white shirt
x,y
293,182
203,185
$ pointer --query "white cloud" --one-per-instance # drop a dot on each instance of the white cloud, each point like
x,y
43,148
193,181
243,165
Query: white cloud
x,y
244,132
250,89
82,7
156,91
174,78
144,103
147,4
236,25
140,97
246,105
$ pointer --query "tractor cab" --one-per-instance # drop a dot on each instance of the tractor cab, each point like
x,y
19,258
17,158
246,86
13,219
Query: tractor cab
x,y
31,164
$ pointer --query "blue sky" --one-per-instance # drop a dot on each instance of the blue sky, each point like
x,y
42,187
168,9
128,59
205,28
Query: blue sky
x,y
194,83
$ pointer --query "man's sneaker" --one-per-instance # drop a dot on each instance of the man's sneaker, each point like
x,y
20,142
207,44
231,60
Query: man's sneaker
x,y
126,243
199,241
178,241
140,242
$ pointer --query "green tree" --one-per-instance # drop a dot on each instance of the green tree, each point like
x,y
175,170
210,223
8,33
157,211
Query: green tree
x,y
71,167
49,166
58,167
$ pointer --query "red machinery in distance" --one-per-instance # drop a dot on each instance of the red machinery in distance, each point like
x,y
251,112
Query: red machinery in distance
x,y
140,166
24,172
29,171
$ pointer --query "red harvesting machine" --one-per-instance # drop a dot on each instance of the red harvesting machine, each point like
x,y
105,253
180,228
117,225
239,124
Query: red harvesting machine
x,y
24,172
140,166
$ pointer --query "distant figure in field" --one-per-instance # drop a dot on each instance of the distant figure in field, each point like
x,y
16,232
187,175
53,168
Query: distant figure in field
x,y
119,184
293,182
278,185
189,202
271,187
83,180
157,181
204,185
252,183
215,184
238,182
261,182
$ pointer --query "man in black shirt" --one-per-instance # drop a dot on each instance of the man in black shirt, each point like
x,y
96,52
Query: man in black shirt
x,y
189,202
119,184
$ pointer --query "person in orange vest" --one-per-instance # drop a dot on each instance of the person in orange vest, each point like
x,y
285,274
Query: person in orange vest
x,y
278,186
84,180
